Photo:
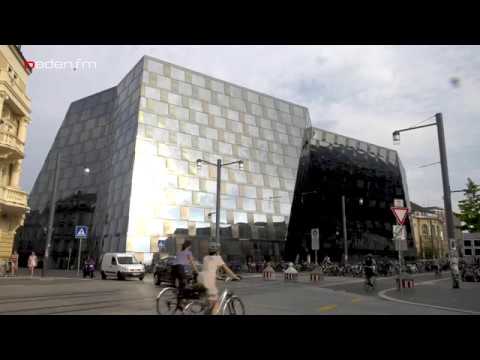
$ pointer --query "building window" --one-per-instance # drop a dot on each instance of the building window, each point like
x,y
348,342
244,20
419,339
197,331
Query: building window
x,y
477,243
468,251
467,243
424,230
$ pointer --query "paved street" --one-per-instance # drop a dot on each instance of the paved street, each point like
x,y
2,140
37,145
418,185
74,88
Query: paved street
x,y
63,293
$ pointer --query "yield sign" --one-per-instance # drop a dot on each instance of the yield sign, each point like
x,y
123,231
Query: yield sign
x,y
400,214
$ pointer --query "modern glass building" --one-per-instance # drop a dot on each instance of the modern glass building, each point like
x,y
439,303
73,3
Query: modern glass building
x,y
369,176
141,140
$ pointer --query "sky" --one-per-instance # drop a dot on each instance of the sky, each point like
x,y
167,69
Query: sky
x,y
365,92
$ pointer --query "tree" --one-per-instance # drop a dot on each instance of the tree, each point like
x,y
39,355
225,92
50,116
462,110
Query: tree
x,y
470,207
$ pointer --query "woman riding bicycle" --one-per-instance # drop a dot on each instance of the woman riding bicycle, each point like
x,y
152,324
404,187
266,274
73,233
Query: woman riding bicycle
x,y
183,258
369,267
208,276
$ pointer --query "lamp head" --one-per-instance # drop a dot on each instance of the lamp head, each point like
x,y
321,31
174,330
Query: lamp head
x,y
396,137
240,164
199,163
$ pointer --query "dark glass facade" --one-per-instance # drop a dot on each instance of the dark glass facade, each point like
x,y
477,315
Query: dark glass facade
x,y
370,177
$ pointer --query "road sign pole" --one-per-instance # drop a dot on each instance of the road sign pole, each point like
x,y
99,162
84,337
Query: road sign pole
x,y
79,255
68,262
344,221
51,217
400,265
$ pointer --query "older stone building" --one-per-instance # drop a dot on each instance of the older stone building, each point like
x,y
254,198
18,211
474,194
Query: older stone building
x,y
14,119
429,232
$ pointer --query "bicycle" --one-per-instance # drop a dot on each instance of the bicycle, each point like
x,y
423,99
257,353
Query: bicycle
x,y
370,286
195,302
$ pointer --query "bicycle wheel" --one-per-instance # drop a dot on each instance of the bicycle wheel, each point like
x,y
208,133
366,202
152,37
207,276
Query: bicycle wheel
x,y
167,301
233,306
195,307
369,288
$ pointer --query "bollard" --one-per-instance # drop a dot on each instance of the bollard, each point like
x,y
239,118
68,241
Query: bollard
x,y
405,283
291,274
316,275
291,277
269,273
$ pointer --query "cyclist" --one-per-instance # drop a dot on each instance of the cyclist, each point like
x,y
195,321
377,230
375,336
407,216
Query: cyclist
x,y
369,266
326,260
208,276
183,258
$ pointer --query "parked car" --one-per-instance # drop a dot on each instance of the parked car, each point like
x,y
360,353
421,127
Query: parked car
x,y
162,271
121,266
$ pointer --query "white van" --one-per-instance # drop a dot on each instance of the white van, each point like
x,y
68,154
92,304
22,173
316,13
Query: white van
x,y
121,265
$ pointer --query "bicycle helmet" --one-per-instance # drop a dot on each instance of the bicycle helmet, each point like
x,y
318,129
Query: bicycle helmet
x,y
213,247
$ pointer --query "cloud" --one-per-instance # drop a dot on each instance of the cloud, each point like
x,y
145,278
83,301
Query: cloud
x,y
360,91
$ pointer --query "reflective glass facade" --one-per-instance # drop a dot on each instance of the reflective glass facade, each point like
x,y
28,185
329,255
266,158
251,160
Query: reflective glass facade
x,y
370,177
142,139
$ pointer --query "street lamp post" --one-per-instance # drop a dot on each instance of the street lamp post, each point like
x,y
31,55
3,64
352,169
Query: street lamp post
x,y
344,221
446,189
51,215
219,166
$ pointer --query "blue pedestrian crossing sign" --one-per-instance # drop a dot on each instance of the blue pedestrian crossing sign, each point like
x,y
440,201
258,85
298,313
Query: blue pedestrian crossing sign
x,y
81,231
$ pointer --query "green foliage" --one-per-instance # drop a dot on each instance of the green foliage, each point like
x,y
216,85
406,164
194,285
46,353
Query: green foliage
x,y
470,207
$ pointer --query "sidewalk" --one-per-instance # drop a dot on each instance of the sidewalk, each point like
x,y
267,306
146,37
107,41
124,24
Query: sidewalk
x,y
24,274
439,294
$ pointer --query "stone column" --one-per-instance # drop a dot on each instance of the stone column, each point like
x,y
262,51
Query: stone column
x,y
15,174
22,128
3,97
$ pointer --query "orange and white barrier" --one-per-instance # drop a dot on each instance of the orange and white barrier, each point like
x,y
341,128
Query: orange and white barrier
x,y
291,274
405,283
291,277
268,273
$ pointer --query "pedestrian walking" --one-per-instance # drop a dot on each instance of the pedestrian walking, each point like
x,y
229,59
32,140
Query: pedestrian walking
x,y
32,263
14,262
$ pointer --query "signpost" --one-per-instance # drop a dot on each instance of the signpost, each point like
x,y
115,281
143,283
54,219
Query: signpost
x,y
81,232
399,233
400,237
315,243
68,262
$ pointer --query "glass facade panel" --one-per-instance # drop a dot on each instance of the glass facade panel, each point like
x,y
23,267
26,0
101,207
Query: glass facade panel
x,y
169,212
205,144
249,192
267,206
183,116
219,122
232,189
196,214
259,218
177,167
240,217
189,183
225,148
228,202
204,199
249,204
210,186
346,169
